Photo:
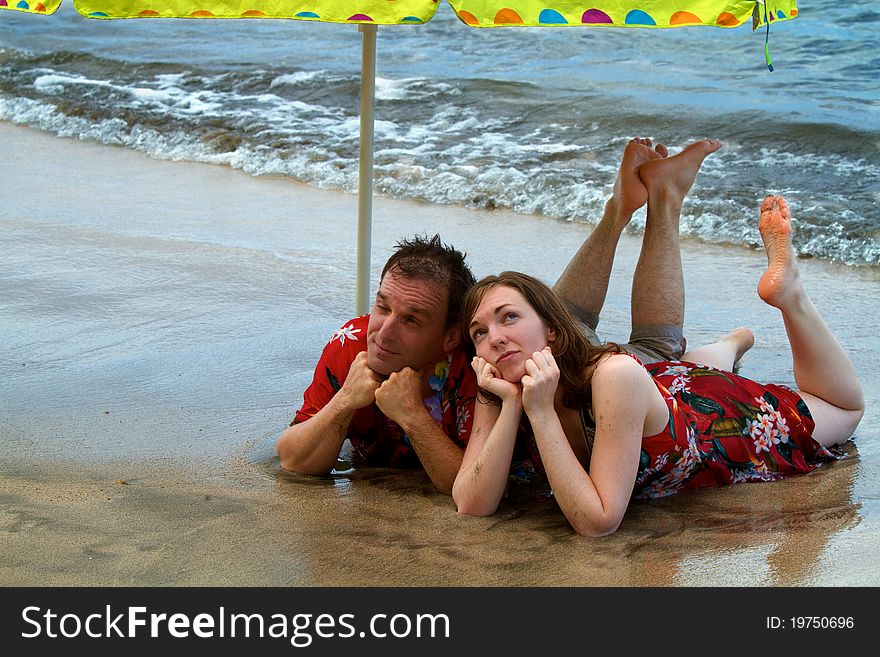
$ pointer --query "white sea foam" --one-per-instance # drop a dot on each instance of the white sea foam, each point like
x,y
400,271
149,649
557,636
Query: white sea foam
x,y
299,78
54,83
819,161
393,89
410,89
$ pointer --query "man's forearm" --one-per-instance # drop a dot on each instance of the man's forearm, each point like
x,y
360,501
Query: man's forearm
x,y
312,447
440,457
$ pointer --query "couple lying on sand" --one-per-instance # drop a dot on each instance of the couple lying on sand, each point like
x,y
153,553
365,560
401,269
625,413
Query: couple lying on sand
x,y
506,379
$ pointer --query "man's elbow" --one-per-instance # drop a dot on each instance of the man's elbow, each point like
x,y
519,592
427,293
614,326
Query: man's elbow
x,y
292,464
444,487
292,461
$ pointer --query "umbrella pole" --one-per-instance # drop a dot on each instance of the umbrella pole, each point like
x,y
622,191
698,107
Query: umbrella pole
x,y
365,170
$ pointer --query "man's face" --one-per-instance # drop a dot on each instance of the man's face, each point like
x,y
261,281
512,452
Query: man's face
x,y
408,325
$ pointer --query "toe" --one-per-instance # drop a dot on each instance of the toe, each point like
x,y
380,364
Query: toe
x,y
782,206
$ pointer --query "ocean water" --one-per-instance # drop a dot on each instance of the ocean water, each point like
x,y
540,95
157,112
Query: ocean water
x,y
528,119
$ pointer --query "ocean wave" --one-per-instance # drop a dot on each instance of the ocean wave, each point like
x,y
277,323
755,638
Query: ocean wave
x,y
498,172
478,142
300,78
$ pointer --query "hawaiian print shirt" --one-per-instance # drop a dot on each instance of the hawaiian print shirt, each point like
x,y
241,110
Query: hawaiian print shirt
x,y
375,439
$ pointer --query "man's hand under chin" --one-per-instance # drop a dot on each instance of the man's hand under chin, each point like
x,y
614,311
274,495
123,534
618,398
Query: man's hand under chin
x,y
361,383
399,397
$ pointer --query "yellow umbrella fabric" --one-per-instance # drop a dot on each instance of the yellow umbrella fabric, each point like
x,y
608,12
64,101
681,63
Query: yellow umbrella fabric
x,y
476,13
621,13
377,12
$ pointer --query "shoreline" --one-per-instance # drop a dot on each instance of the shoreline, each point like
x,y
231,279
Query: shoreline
x,y
163,318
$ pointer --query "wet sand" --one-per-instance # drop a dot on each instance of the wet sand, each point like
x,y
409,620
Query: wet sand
x,y
160,321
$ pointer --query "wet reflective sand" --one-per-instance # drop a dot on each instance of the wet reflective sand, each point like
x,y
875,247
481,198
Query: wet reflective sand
x,y
160,321
383,527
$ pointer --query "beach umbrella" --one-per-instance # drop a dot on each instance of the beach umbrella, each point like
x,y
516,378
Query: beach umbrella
x,y
369,14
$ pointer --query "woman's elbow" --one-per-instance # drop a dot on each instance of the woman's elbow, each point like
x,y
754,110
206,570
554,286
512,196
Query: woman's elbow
x,y
468,506
475,510
595,528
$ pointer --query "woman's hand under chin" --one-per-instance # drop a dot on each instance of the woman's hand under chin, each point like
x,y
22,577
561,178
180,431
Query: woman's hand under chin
x,y
540,383
490,379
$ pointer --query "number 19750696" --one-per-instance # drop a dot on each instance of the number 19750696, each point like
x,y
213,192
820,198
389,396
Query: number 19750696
x,y
810,623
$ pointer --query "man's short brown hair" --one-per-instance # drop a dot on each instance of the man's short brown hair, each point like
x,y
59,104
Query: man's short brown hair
x,y
428,259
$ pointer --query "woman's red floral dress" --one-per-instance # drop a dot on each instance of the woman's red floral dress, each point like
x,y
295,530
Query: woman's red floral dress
x,y
724,429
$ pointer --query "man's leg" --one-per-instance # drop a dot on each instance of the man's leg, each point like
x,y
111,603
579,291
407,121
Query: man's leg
x,y
658,282
584,283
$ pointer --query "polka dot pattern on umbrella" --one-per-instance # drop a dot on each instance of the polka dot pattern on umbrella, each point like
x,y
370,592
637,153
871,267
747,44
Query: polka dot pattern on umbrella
x,y
476,13
619,13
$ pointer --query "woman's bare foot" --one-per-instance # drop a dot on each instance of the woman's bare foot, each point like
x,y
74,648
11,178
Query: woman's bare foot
x,y
781,282
725,353
629,191
741,340
671,178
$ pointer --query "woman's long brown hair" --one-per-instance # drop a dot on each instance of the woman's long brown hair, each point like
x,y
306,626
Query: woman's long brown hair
x,y
573,353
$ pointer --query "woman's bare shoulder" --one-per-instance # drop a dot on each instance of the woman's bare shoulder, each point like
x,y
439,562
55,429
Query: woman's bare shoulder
x,y
621,382
620,374
617,365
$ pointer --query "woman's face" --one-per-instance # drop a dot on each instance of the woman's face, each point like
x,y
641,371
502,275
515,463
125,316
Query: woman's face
x,y
506,331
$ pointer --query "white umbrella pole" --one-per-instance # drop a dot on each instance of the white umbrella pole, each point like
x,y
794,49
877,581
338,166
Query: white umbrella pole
x,y
365,170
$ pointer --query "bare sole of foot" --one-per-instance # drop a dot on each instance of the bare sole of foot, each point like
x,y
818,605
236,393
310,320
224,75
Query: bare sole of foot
x,y
629,188
781,280
674,176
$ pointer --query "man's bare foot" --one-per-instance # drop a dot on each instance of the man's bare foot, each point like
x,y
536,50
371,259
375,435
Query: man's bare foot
x,y
781,282
629,190
671,178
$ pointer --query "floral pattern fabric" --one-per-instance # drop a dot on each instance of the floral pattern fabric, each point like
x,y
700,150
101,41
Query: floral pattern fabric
x,y
375,439
724,429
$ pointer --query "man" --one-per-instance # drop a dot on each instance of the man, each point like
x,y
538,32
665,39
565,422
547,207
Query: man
x,y
395,382
399,386
657,298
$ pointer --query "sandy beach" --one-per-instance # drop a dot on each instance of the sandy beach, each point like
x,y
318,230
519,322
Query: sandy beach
x,y
160,321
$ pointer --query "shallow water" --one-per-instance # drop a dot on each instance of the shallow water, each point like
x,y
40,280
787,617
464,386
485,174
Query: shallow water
x,y
156,337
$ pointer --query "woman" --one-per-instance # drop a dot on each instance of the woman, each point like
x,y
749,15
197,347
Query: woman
x,y
673,427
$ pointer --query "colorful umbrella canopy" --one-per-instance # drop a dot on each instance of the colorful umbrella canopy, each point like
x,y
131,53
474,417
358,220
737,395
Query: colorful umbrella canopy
x,y
368,14
476,13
